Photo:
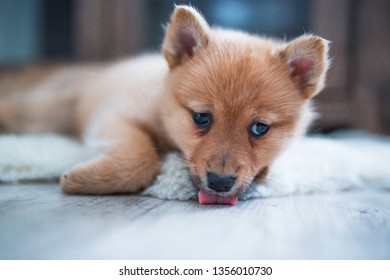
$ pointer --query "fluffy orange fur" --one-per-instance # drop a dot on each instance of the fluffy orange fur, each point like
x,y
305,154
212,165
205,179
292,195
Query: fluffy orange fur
x,y
136,110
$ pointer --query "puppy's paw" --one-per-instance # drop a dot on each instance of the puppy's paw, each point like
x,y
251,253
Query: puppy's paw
x,y
75,181
109,175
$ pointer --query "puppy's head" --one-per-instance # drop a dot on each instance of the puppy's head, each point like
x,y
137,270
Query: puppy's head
x,y
234,101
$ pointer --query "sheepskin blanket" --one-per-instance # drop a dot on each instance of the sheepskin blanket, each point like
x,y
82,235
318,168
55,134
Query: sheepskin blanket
x,y
339,162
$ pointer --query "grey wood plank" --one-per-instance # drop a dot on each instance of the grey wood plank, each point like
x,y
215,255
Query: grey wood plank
x,y
39,222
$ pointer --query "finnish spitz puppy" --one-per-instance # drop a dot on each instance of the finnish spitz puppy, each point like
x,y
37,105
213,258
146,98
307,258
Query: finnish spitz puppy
x,y
228,101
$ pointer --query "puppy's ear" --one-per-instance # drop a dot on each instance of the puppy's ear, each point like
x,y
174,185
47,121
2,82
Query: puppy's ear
x,y
186,34
307,60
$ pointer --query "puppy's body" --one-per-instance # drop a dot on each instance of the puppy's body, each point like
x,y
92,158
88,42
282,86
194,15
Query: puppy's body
x,y
219,89
69,99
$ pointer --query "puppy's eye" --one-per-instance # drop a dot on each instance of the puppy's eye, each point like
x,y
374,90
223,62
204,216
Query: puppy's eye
x,y
202,120
258,129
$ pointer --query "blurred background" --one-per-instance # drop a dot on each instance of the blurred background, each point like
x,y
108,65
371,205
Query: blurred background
x,y
68,31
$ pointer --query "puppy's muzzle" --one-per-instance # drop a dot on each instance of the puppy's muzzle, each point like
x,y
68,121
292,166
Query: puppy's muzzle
x,y
219,183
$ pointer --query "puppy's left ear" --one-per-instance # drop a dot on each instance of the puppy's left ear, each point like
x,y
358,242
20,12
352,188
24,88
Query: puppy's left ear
x,y
307,61
186,34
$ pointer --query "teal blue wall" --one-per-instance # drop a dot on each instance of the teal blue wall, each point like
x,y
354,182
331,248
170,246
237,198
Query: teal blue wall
x,y
20,30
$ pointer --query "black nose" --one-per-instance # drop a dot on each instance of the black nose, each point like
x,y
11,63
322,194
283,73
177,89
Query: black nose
x,y
220,183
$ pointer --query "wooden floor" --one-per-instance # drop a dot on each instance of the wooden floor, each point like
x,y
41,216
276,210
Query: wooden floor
x,y
39,222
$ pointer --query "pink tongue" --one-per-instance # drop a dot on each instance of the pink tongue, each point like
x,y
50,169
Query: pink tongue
x,y
208,198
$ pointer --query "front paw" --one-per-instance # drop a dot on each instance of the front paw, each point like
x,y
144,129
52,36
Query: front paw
x,y
71,182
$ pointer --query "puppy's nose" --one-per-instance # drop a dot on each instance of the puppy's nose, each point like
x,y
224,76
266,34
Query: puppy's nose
x,y
220,183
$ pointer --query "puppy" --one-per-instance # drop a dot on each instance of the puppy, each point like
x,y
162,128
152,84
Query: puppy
x,y
228,101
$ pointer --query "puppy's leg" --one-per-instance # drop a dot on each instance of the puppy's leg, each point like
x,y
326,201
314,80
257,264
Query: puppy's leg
x,y
9,114
129,165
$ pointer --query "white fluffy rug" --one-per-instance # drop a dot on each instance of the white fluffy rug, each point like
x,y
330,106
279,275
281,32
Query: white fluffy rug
x,y
343,161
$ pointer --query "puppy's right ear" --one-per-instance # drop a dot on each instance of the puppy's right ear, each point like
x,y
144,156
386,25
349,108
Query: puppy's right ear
x,y
186,34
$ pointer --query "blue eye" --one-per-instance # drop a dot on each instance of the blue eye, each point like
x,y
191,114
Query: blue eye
x,y
202,120
258,129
